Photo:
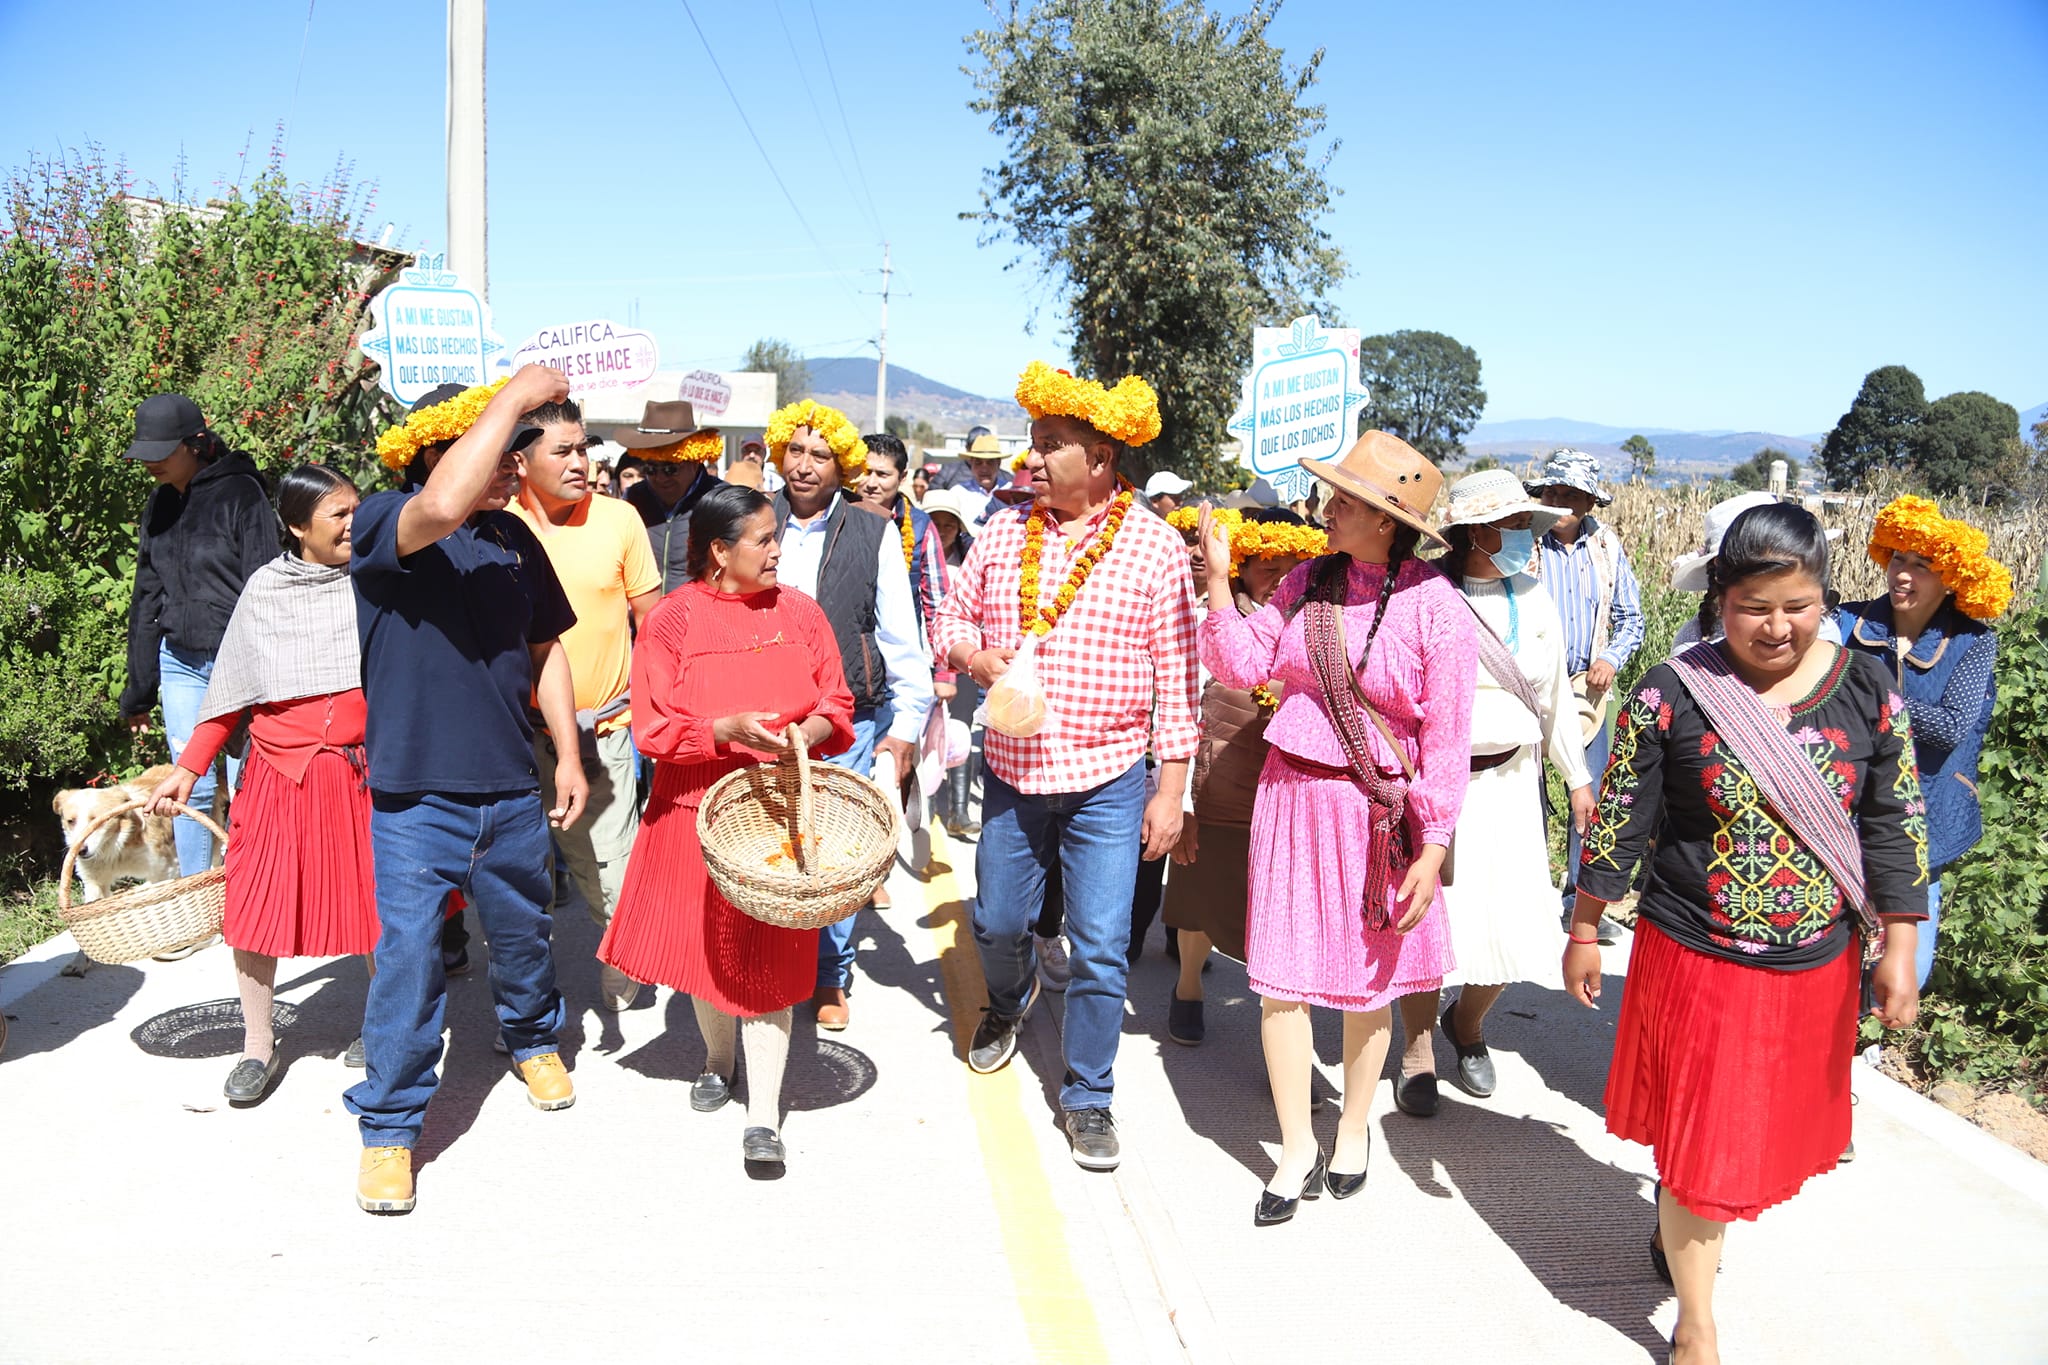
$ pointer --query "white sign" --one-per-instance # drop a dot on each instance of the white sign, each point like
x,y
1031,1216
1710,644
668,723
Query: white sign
x,y
430,329
598,356
707,392
1297,401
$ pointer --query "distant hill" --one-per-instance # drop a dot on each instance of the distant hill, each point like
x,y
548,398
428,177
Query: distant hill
x,y
848,383
2037,413
1680,453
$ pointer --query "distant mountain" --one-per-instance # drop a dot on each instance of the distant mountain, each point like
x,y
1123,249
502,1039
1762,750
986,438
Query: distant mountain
x,y
848,383
1563,430
2037,413
1515,443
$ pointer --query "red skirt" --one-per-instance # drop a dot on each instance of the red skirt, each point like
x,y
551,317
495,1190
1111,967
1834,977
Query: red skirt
x,y
299,879
1737,1077
671,926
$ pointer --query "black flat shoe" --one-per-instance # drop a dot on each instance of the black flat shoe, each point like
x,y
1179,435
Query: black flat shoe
x,y
1658,1262
1474,1072
1184,1022
250,1079
1344,1186
1274,1209
708,1092
762,1145
355,1056
1416,1095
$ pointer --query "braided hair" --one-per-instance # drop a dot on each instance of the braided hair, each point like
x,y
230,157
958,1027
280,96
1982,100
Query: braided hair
x,y
1330,578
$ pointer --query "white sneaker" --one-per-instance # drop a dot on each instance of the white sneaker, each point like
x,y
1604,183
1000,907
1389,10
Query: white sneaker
x,y
1053,967
615,990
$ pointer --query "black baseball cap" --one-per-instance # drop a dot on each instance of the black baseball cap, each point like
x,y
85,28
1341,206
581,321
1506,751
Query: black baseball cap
x,y
163,422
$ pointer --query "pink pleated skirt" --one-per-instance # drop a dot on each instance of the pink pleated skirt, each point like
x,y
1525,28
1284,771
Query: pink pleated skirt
x,y
299,880
1305,934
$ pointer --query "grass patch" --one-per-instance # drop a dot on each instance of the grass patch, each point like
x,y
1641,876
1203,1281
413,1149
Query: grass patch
x,y
28,918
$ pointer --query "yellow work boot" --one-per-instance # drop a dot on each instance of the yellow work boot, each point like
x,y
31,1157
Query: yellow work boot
x,y
384,1180
547,1082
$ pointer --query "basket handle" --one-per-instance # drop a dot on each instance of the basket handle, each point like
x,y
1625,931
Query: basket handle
x,y
797,761
71,854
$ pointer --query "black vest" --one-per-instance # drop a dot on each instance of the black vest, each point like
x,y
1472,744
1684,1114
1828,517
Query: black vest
x,y
668,535
846,592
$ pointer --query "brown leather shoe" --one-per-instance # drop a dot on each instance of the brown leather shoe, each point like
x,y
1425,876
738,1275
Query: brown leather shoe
x,y
830,1003
384,1180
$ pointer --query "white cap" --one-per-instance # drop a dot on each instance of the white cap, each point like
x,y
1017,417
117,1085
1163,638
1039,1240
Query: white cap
x,y
1166,481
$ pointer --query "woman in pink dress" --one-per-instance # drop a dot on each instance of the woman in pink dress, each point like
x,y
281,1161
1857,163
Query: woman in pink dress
x,y
1354,812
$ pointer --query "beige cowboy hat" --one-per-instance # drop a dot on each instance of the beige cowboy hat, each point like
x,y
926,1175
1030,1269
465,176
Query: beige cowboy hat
x,y
1494,495
984,448
1387,472
662,424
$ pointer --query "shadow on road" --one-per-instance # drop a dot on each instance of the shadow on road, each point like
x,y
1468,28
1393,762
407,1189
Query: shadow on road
x,y
67,1007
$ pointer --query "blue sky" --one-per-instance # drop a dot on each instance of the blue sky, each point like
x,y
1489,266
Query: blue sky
x,y
1682,216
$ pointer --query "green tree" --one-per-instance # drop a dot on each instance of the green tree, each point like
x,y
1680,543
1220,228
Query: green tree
x,y
924,436
1879,429
785,362
1424,388
1483,462
1642,457
1970,442
897,425
1754,474
1158,166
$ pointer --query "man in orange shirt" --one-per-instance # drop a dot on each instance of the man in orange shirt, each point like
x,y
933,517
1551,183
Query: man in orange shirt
x,y
599,550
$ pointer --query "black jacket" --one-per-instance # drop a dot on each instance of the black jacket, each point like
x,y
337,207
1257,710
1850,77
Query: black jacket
x,y
194,552
668,533
847,590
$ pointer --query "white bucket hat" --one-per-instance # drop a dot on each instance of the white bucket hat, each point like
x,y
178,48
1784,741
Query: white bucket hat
x,y
1689,572
1493,495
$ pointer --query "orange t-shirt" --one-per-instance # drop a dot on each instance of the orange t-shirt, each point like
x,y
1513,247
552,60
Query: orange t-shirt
x,y
602,556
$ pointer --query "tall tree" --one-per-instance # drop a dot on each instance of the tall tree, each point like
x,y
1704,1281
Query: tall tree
x,y
1159,167
1970,443
1878,429
1754,473
1424,388
786,362
1642,457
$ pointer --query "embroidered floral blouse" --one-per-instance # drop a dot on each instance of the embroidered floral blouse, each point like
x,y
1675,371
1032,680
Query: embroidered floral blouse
x,y
1727,878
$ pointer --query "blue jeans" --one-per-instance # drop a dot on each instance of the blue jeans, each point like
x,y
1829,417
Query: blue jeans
x,y
1923,956
1094,836
1596,764
835,941
493,849
182,677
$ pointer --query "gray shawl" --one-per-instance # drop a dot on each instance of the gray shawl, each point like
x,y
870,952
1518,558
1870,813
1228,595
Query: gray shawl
x,y
293,635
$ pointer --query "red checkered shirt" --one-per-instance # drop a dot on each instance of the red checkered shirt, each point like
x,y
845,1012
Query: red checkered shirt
x,y
1118,668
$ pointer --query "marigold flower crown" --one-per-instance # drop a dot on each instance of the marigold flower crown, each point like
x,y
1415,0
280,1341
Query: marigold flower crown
x,y
1127,412
704,446
1956,549
1255,539
830,423
430,426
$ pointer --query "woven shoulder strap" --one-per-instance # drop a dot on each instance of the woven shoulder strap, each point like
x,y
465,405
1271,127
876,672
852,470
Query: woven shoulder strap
x,y
1781,769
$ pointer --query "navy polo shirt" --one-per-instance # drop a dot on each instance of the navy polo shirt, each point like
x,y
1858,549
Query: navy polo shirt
x,y
445,633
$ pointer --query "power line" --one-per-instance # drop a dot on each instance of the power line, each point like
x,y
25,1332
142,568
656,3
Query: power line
x,y
797,64
292,108
851,146
766,160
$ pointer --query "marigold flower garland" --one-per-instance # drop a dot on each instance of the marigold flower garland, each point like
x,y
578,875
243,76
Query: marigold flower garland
x,y
909,541
445,421
830,423
1039,620
1127,412
702,446
1956,549
1268,702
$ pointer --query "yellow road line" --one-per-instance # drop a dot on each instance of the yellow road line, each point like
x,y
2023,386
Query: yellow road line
x,y
1058,1315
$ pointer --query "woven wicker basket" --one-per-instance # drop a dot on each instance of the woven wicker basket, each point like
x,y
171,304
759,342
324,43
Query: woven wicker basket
x,y
797,844
145,920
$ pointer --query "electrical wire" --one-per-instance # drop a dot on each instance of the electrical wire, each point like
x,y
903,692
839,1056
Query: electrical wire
x,y
851,146
797,65
292,107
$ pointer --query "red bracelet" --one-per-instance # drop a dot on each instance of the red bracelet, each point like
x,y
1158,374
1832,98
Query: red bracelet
x,y
1571,938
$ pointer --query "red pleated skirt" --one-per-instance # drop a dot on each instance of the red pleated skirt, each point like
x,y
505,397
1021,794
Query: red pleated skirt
x,y
1737,1077
299,879
671,926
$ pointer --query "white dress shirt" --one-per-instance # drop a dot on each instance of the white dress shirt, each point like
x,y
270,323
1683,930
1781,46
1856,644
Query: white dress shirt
x,y
903,655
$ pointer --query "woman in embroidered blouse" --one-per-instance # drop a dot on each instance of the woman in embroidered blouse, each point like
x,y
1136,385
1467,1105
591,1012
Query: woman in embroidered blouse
x,y
725,664
1929,633
1346,910
1505,927
298,865
1732,1053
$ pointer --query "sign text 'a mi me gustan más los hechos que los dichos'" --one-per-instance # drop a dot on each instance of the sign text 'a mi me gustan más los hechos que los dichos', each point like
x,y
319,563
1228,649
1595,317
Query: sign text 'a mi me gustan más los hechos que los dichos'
x,y
430,329
1297,401
598,355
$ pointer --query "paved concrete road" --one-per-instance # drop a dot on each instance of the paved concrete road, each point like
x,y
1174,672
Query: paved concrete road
x,y
927,1214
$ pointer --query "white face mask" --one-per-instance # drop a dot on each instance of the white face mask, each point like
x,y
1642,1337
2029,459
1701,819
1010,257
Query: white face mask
x,y
1517,549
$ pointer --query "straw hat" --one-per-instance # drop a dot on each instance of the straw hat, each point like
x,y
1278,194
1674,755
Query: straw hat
x,y
1689,572
1494,495
1390,474
984,448
955,502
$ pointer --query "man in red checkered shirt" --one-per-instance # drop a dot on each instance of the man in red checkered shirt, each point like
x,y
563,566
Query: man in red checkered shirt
x,y
1118,667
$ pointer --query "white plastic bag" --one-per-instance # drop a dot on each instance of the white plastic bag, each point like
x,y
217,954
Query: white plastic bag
x,y
1016,704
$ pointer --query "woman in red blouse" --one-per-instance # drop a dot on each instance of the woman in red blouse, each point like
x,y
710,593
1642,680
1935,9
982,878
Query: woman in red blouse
x,y
724,666
299,880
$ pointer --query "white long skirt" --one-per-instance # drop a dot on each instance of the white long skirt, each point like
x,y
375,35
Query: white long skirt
x,y
1504,911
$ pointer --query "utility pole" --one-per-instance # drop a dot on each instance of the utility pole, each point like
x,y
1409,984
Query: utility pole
x,y
468,252
882,350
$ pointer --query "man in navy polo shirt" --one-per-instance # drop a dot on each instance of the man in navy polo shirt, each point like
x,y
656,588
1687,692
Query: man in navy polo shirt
x,y
459,613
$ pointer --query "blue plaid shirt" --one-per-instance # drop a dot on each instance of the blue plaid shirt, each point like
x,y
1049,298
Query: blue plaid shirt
x,y
1569,572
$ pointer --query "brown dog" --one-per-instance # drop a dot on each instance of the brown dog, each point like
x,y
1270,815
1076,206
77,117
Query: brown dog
x,y
132,846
